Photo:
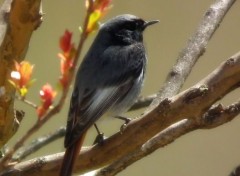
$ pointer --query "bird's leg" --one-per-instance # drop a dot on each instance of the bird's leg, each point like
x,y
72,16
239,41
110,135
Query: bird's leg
x,y
127,120
100,137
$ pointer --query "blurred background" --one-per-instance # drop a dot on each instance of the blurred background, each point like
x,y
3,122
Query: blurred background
x,y
199,153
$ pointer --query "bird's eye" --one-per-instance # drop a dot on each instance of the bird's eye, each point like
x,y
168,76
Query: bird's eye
x,y
134,25
139,24
130,26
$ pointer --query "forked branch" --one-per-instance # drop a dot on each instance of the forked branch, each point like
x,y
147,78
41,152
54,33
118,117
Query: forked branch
x,y
194,104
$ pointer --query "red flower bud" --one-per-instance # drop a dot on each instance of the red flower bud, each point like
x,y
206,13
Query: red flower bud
x,y
47,95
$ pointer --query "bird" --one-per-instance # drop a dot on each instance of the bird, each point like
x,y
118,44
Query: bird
x,y
108,80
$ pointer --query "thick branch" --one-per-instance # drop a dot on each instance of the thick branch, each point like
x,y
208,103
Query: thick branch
x,y
162,139
192,104
214,117
185,62
16,29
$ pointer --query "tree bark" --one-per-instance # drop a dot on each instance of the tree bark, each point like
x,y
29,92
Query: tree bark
x,y
193,104
19,18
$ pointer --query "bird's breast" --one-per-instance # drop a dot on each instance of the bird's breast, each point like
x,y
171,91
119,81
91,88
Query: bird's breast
x,y
124,103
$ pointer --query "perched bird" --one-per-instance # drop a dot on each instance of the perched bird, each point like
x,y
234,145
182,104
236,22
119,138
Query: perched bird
x,y
109,80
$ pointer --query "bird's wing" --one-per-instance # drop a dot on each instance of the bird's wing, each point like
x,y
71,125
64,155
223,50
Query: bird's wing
x,y
98,88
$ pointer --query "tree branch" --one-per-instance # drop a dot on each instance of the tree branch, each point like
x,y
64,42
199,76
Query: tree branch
x,y
40,122
196,47
160,140
143,102
166,113
189,55
39,143
18,20
219,115
182,68
191,104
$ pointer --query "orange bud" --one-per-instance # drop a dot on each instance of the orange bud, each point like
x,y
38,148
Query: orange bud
x,y
21,77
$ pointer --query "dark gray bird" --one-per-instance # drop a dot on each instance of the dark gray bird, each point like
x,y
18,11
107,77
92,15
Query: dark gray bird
x,y
109,80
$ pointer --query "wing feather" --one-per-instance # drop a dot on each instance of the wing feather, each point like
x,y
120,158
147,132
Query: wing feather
x,y
97,89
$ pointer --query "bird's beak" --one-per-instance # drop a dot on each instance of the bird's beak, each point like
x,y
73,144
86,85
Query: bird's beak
x,y
148,23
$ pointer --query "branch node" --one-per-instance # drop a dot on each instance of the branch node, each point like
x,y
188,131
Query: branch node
x,y
18,116
230,61
212,115
233,108
193,94
164,106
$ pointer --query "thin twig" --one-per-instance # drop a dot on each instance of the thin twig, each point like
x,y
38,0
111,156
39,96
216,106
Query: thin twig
x,y
38,143
15,35
58,107
143,102
24,100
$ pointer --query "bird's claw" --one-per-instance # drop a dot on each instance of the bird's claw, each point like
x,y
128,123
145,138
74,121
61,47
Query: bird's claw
x,y
99,139
123,127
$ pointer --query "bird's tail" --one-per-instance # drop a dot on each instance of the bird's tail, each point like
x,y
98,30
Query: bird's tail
x,y
70,157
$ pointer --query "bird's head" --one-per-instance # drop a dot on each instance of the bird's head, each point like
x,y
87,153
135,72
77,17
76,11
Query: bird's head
x,y
125,29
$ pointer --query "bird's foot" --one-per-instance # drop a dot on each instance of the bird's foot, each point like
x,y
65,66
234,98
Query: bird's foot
x,y
100,137
127,120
